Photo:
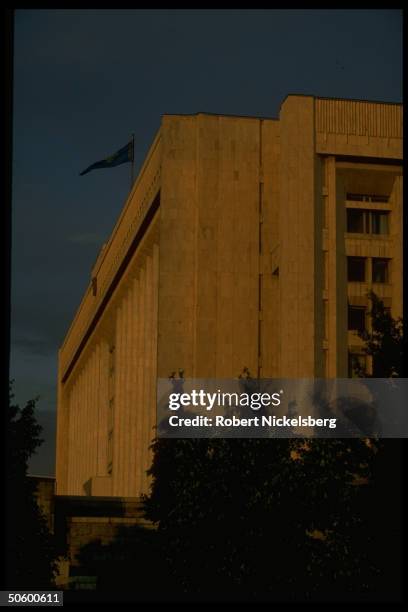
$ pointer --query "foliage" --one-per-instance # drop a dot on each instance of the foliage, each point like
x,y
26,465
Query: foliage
x,y
129,563
384,342
262,518
30,548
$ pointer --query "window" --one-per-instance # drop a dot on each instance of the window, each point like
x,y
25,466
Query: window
x,y
357,362
356,318
361,221
356,269
378,198
379,222
355,220
380,270
355,197
362,197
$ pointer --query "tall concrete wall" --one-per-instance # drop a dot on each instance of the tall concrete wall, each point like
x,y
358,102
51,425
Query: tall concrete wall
x,y
298,236
218,231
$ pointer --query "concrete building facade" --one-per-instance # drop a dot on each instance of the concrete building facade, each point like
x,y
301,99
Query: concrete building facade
x,y
245,242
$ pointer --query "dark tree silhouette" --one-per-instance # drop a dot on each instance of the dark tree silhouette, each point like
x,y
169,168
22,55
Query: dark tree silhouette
x,y
384,343
262,519
274,519
131,563
383,495
30,548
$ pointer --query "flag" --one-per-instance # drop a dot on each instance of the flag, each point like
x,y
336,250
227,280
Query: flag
x,y
120,157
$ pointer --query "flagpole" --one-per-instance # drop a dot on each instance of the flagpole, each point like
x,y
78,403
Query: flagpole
x,y
132,166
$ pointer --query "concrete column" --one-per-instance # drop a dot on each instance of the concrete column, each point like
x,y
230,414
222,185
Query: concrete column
x,y
94,424
134,384
83,403
140,406
331,266
178,213
79,458
87,411
102,408
88,473
62,443
299,239
70,402
337,274
81,425
147,370
77,445
73,453
396,231
117,451
83,411
127,330
74,446
123,420
153,355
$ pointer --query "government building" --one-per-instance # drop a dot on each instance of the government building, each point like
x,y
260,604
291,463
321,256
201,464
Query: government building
x,y
245,242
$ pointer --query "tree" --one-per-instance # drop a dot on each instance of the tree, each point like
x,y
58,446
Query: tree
x,y
30,548
271,519
384,343
383,495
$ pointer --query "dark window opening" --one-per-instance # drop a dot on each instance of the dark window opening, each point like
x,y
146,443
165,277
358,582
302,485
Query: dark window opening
x,y
356,269
380,270
379,222
355,197
365,197
355,221
360,221
356,318
379,198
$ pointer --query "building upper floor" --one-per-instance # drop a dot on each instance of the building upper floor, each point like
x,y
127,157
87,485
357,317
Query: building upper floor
x,y
214,159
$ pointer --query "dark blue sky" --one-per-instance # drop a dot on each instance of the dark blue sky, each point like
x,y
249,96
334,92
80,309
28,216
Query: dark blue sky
x,y
84,80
